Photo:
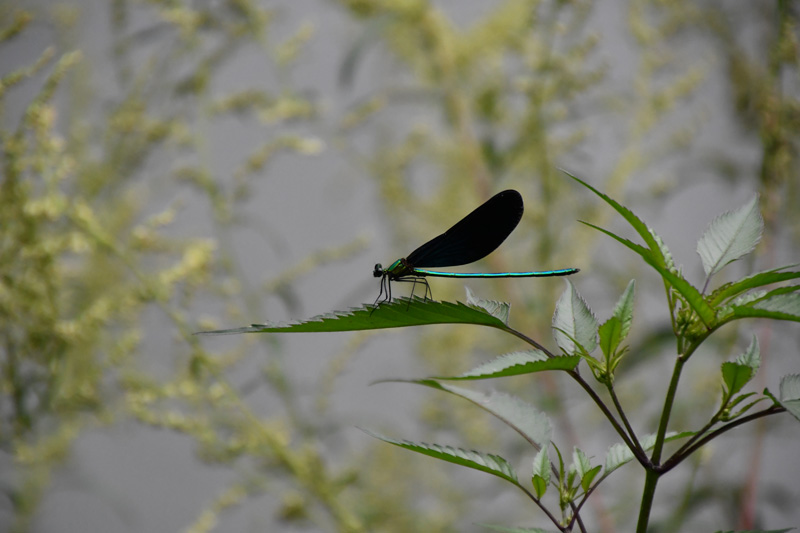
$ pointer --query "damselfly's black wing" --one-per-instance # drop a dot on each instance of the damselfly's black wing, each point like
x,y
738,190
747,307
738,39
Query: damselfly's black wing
x,y
475,236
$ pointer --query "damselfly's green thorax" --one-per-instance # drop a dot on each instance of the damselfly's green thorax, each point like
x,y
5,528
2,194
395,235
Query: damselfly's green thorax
x,y
399,268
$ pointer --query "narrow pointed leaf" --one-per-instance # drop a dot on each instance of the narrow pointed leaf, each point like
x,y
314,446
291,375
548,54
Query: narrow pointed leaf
x,y
780,307
522,417
782,301
395,314
669,264
485,462
499,310
574,320
744,409
637,224
732,290
687,290
730,236
517,363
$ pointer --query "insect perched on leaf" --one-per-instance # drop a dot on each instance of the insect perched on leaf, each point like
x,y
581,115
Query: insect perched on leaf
x,y
472,238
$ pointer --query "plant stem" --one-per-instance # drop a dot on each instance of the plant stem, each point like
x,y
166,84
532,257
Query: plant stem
x,y
649,492
651,478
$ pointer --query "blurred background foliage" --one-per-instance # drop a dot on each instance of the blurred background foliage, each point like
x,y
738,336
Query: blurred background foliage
x,y
119,216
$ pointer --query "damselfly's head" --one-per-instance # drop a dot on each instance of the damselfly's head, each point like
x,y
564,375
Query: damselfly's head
x,y
378,272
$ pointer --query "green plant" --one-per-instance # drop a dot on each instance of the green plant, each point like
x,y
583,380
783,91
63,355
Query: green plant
x,y
695,314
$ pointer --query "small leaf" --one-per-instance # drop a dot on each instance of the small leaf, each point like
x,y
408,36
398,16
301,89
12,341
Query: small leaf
x,y
521,416
730,236
735,377
541,473
732,290
779,307
539,486
752,356
624,309
499,310
574,320
485,462
584,468
580,461
517,363
586,480
610,333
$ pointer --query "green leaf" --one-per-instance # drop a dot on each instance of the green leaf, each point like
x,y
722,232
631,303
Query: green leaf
x,y
637,224
735,377
739,399
787,303
485,462
399,313
499,310
517,363
586,480
541,473
693,296
752,356
790,394
790,387
583,467
731,290
669,264
580,461
624,309
730,236
780,307
610,333
524,418
615,329
573,322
